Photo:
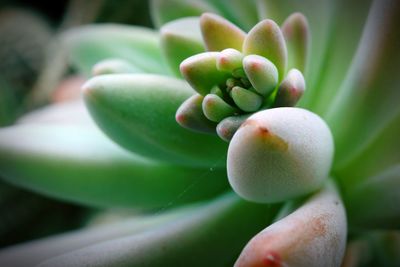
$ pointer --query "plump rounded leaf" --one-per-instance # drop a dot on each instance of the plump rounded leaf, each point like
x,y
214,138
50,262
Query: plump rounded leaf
x,y
219,33
229,59
246,100
181,39
59,152
291,89
138,112
190,115
216,109
228,126
297,35
266,39
314,235
278,154
114,66
262,73
201,72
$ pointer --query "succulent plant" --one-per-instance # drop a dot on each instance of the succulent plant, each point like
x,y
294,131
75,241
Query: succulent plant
x,y
315,172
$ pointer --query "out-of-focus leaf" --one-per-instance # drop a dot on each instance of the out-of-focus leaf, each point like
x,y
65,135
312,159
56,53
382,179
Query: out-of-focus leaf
x,y
181,39
67,157
34,252
88,45
368,101
374,202
164,11
213,232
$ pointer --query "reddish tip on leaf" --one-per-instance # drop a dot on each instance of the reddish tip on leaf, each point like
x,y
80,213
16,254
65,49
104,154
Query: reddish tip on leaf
x,y
297,35
228,126
272,259
190,115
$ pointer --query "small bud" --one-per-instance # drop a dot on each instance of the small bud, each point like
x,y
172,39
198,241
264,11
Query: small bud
x,y
278,154
216,109
290,90
266,39
232,82
228,126
201,73
217,91
246,83
262,73
229,59
245,99
219,33
190,115
239,73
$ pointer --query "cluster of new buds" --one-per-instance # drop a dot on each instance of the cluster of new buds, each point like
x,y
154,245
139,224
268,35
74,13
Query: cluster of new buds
x,y
244,93
242,73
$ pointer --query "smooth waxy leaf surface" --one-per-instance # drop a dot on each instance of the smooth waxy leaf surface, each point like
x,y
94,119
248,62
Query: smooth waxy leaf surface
x,y
181,39
60,152
88,45
138,112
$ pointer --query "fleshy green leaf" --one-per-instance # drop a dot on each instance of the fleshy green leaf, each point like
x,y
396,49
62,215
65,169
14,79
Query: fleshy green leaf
x,y
88,45
297,35
266,39
320,242
262,73
279,154
204,233
246,100
219,33
229,59
73,160
201,72
228,126
216,109
321,16
138,112
113,66
181,39
190,115
34,252
290,90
